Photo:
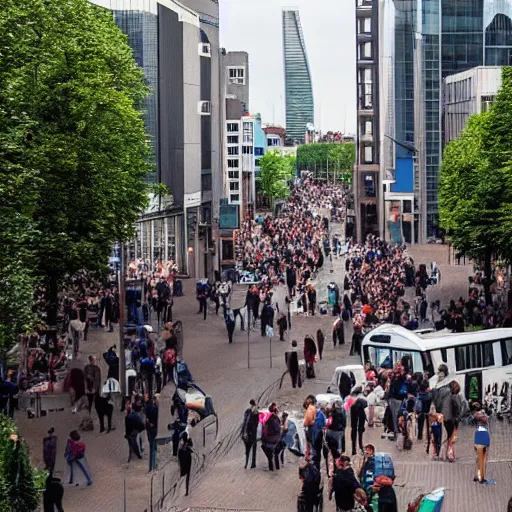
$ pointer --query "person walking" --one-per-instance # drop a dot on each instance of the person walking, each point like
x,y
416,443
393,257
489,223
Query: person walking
x,y
133,427
229,318
338,425
312,299
104,407
53,494
292,363
151,412
92,374
357,420
203,305
267,317
451,410
185,459
320,340
271,436
75,454
482,442
281,447
310,352
250,432
282,324
309,423
343,484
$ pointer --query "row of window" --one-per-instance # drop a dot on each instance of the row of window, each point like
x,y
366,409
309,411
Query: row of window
x,y
246,150
236,75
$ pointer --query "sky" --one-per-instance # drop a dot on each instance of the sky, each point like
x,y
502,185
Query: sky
x,y
255,26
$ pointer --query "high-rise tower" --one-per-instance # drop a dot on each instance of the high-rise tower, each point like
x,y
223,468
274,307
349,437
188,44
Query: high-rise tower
x,y
300,109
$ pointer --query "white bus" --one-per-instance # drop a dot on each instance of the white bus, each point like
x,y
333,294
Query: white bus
x,y
480,361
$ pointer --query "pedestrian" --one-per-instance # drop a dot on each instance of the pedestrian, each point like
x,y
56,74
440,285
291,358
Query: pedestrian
x,y
281,447
310,352
133,427
292,363
338,332
311,479
383,487
338,424
229,318
357,419
425,399
53,494
343,484
482,442
185,459
92,374
50,451
267,317
282,323
311,298
104,407
75,454
250,432
397,394
451,411
151,412
271,435
320,339
202,299
309,422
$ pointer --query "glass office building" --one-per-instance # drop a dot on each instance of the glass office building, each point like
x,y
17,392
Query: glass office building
x,y
298,85
432,39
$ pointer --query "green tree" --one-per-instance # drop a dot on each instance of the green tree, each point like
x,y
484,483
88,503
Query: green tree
x,y
276,169
73,94
19,480
328,160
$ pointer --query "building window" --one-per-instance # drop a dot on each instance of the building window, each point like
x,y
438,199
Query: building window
x,y
368,154
232,127
369,188
205,50
368,128
487,101
232,139
233,163
236,75
227,250
248,133
259,151
257,162
234,175
234,186
204,108
365,26
247,150
365,50
234,198
206,182
233,150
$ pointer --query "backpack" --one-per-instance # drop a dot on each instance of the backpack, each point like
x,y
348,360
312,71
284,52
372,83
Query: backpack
x,y
384,465
169,356
368,477
418,406
183,375
319,424
311,474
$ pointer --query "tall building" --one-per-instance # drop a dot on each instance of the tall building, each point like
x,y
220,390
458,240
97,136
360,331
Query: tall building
x,y
420,44
467,93
367,192
300,109
177,48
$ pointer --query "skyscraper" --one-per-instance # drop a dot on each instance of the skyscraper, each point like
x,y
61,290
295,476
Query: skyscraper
x,y
420,44
300,110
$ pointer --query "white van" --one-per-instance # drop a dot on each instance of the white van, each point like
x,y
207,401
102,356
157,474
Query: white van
x,y
481,361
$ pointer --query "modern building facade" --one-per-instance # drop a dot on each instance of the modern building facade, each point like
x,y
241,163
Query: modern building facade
x,y
179,52
300,109
467,93
367,179
420,44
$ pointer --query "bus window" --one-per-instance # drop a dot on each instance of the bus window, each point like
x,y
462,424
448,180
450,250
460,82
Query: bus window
x,y
427,363
415,362
381,357
476,355
506,351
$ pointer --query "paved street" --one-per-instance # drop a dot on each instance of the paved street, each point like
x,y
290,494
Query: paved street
x,y
219,481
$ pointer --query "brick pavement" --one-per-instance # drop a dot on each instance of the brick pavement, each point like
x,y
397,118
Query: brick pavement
x,y
221,369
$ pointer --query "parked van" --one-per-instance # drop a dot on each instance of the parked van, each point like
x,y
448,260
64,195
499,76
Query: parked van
x,y
480,361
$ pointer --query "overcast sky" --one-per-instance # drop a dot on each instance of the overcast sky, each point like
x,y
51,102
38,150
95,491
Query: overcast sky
x,y
255,26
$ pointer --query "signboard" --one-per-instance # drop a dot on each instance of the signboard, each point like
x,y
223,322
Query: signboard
x,y
192,200
228,216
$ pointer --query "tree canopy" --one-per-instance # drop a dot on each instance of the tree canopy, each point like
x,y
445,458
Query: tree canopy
x,y
475,190
328,158
276,169
73,148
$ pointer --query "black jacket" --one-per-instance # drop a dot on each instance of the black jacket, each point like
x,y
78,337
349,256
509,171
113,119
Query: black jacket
x,y
345,484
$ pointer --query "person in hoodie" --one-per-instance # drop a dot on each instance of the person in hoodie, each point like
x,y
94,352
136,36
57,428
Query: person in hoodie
x,y
343,484
75,454
250,432
270,437
357,419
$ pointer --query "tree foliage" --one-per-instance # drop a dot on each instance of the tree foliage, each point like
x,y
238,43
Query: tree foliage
x,y
276,169
73,143
19,480
475,190
333,158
